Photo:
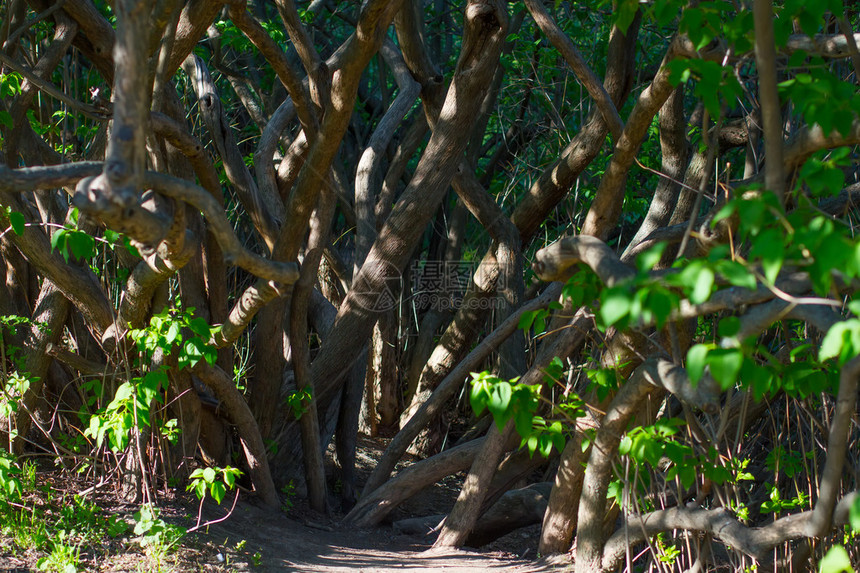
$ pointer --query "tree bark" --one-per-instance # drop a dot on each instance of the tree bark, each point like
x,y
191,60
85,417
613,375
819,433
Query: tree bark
x,y
249,433
464,515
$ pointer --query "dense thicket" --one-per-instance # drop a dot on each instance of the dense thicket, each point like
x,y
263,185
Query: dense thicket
x,y
233,233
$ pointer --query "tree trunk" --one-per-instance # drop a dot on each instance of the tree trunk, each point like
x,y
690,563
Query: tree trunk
x,y
464,515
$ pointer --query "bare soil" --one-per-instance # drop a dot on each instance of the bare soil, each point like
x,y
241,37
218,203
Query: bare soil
x,y
304,541
282,543
252,539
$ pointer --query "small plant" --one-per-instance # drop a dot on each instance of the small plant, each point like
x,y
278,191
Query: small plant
x,y
155,535
836,561
299,400
289,491
177,329
64,557
667,552
215,481
779,505
10,484
173,331
508,400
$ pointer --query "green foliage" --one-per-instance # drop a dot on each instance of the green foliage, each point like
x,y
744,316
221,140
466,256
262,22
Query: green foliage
x,y
173,331
822,173
539,98
582,288
787,462
216,481
10,87
842,341
129,407
666,552
59,529
535,318
10,483
69,240
154,534
289,491
63,558
506,400
300,400
810,16
16,386
658,446
836,561
777,504
16,219
716,85
823,99
178,329
604,381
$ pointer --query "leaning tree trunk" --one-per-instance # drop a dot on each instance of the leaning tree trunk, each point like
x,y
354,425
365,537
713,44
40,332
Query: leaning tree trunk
x,y
484,34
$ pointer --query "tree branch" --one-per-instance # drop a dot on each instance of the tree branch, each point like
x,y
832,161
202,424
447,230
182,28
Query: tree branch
x,y
249,434
577,63
553,262
234,252
752,541
765,55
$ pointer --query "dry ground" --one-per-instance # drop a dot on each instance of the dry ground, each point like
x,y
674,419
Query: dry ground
x,y
254,539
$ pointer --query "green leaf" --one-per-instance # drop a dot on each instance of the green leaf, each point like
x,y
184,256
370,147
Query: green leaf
x,y
703,286
523,422
736,274
230,476
760,378
836,561
768,246
553,371
650,257
16,219
192,351
482,384
665,12
526,320
532,443
500,399
199,327
854,515
58,242
729,326
173,333
831,345
624,13
696,362
615,304
82,245
662,302
688,474
545,446
217,490
124,392
725,211
725,365
209,475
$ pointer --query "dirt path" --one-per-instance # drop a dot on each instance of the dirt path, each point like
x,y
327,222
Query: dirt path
x,y
253,539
